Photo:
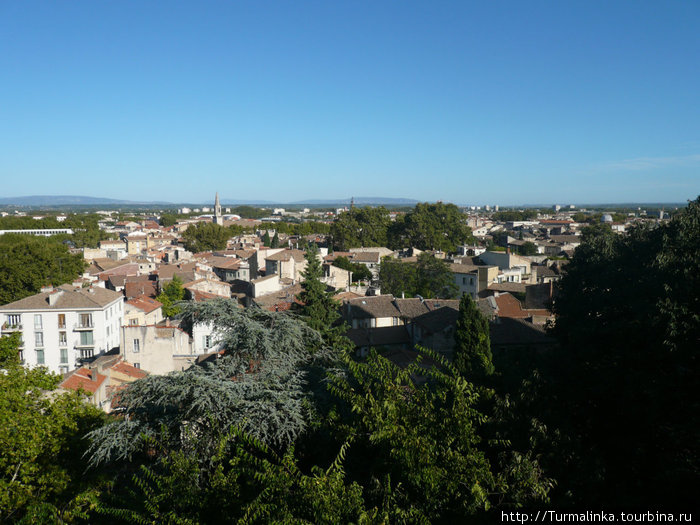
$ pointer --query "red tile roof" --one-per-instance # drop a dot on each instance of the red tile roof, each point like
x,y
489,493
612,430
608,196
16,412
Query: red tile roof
x,y
83,378
130,370
145,303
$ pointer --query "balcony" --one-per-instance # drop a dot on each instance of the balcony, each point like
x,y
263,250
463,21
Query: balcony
x,y
7,327
83,326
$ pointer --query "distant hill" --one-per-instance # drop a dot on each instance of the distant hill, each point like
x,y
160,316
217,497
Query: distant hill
x,y
361,201
81,200
62,200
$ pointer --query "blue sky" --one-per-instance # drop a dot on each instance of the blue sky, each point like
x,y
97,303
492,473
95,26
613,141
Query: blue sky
x,y
468,102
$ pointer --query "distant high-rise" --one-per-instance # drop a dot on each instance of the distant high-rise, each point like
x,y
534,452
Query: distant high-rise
x,y
218,218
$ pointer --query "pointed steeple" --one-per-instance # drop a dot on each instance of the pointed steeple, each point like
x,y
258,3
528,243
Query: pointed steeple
x,y
218,219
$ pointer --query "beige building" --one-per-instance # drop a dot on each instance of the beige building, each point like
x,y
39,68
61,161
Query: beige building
x,y
158,349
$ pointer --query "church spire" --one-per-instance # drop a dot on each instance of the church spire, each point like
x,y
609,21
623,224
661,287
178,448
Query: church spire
x,y
218,219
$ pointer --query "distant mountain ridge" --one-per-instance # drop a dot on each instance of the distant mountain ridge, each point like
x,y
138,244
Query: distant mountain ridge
x,y
82,200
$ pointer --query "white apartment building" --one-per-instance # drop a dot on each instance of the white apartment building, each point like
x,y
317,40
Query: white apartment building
x,y
65,327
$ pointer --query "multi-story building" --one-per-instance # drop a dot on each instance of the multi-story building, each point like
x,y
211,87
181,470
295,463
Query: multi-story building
x,y
64,328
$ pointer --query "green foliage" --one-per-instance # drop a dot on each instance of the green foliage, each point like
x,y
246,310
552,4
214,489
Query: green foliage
x,y
206,236
40,457
275,242
430,226
430,278
528,248
514,215
360,272
424,439
9,350
172,293
250,212
361,227
27,263
249,483
264,384
168,219
266,238
628,317
319,309
472,356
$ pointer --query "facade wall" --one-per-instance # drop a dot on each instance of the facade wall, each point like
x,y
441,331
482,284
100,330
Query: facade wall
x,y
61,344
158,350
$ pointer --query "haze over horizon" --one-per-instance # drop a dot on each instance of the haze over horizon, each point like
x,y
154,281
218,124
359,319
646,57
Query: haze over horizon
x,y
482,103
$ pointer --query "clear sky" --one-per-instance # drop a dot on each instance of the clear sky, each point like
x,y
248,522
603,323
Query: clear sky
x,y
467,102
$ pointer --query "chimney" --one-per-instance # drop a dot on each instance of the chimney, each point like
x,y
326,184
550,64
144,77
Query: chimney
x,y
507,250
46,289
93,375
53,296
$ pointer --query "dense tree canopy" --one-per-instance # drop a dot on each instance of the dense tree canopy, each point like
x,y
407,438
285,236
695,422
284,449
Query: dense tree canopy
x,y
472,356
432,226
430,277
27,263
361,227
515,215
360,272
206,236
41,435
626,378
172,293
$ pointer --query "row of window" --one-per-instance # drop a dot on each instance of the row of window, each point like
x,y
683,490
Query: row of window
x,y
40,356
85,321
86,339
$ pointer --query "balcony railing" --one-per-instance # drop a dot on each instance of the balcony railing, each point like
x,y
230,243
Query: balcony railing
x,y
84,326
7,327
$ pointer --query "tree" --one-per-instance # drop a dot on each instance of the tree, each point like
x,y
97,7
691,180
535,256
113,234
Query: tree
x,y
41,455
266,384
629,329
472,357
360,227
429,277
435,279
528,248
397,277
266,238
9,350
421,445
27,263
319,309
429,226
205,236
172,293
168,219
360,272
275,242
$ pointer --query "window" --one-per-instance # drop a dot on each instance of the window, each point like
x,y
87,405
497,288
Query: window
x,y
86,320
464,280
14,319
85,338
207,342
61,320
37,321
38,338
133,322
137,365
62,339
107,331
471,280
64,355
137,346
87,353
63,369
40,357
